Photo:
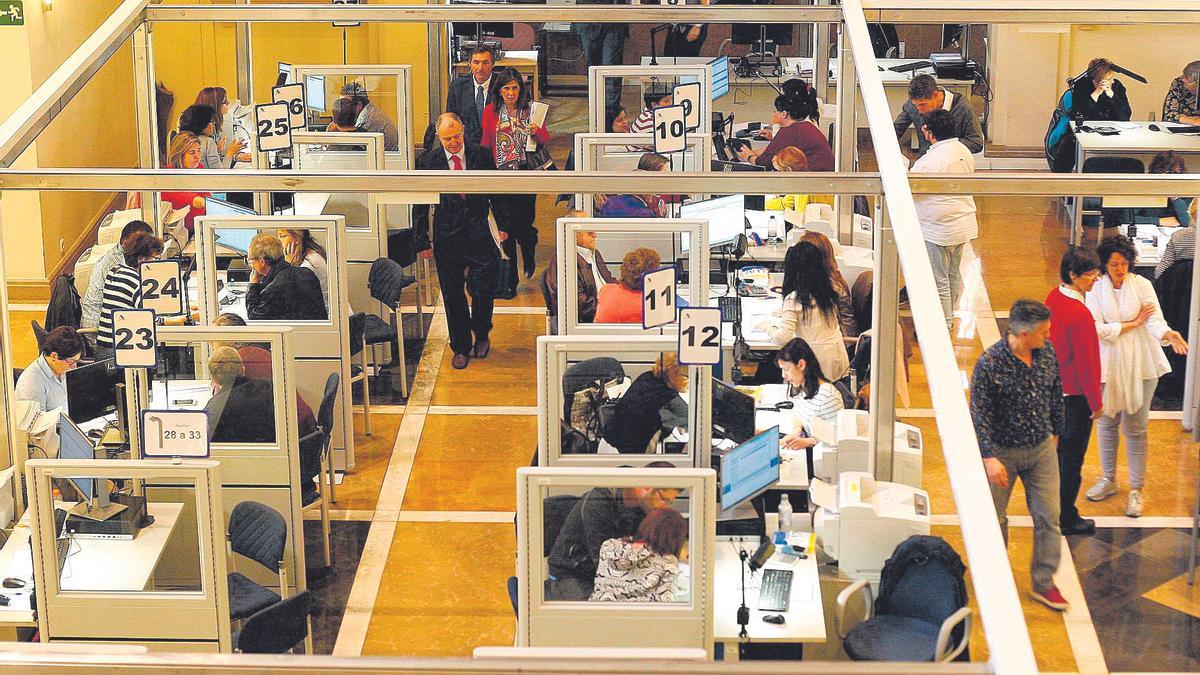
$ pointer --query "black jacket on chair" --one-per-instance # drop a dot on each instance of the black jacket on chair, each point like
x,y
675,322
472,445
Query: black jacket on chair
x,y
288,293
637,417
457,219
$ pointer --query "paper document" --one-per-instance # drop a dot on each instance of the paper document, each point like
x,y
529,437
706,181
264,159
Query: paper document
x,y
823,494
33,420
537,115
823,431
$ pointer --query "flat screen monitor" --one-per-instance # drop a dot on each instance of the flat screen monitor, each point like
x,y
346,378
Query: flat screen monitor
x,y
469,29
732,413
92,390
74,444
314,90
238,240
285,74
220,207
720,76
749,468
726,218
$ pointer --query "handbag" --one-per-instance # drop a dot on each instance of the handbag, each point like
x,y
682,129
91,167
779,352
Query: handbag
x,y
539,159
498,286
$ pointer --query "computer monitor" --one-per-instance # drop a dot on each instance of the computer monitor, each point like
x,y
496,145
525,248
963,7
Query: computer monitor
x,y
220,207
237,240
478,29
74,444
314,90
726,218
92,390
285,73
749,469
720,76
732,413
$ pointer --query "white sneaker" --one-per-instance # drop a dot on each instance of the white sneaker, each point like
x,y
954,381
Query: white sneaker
x,y
1133,508
1103,489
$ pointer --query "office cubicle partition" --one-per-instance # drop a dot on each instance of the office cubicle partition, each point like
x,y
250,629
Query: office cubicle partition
x,y
109,590
672,238
321,346
560,375
255,439
685,619
621,152
661,78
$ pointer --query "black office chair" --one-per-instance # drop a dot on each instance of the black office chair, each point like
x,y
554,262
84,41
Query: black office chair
x,y
386,282
921,611
512,594
39,334
259,533
313,458
325,421
358,371
277,628
1093,205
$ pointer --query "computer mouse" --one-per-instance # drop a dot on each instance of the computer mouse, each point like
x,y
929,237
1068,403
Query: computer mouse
x,y
1154,127
774,618
13,582
785,405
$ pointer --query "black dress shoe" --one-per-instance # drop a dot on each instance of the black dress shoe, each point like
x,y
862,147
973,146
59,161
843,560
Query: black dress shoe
x,y
527,259
1082,526
482,349
459,361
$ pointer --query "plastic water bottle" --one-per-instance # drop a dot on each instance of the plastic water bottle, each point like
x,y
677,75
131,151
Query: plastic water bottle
x,y
773,232
785,514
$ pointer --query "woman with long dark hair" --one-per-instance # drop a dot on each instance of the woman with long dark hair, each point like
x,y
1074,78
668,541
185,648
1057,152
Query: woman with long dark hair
x,y
796,113
506,131
810,309
812,395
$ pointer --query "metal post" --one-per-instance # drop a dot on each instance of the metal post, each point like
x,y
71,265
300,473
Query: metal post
x,y
438,67
846,142
820,78
145,108
885,357
245,59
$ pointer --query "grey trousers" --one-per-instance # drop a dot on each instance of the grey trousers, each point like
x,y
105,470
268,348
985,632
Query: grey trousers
x,y
1037,468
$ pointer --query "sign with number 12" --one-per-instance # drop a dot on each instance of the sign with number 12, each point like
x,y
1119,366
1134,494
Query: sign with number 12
x,y
700,336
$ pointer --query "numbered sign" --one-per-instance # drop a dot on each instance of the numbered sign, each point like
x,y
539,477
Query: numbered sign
x,y
670,132
175,433
272,126
700,336
135,339
688,96
162,287
658,297
297,102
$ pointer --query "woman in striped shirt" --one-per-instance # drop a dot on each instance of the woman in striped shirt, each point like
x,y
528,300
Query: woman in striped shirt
x,y
810,393
123,286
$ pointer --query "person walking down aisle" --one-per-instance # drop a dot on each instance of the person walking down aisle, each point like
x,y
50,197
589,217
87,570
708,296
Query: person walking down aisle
x,y
507,128
1017,410
604,45
1131,327
470,94
1073,333
461,244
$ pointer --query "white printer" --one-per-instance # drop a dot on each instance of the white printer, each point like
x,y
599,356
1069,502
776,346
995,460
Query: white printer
x,y
846,446
861,522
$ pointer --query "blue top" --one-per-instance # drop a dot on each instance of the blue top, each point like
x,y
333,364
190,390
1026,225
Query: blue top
x,y
626,206
39,383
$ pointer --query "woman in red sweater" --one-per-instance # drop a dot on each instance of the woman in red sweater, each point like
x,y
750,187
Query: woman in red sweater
x,y
795,113
622,302
506,130
1073,334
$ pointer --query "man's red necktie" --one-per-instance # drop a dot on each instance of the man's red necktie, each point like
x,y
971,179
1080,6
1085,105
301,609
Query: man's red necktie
x,y
457,167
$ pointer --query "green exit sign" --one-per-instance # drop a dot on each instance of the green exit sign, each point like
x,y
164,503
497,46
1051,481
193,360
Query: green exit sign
x,y
12,13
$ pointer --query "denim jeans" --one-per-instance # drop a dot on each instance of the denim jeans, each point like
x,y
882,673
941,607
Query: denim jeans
x,y
1037,467
1072,446
947,274
1134,424
604,45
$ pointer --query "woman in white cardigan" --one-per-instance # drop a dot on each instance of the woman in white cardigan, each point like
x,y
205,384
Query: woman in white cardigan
x,y
810,310
1132,331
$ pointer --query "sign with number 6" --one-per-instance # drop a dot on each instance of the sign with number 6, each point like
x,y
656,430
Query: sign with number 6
x,y
700,336
297,102
135,338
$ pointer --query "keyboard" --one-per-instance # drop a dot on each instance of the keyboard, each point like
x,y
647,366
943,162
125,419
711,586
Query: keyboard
x,y
730,308
775,590
909,67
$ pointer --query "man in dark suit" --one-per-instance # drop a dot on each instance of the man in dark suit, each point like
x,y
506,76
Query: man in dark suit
x,y
469,94
463,249
604,45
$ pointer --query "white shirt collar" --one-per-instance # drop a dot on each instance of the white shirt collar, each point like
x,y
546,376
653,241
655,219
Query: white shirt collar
x,y
1070,292
486,84
460,154
949,100
586,253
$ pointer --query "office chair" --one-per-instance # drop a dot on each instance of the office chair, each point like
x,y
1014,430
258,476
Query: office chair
x,y
313,458
386,282
512,593
358,371
39,334
922,607
277,628
259,533
325,421
1092,205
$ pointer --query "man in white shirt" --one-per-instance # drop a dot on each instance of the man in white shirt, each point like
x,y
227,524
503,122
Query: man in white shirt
x,y
947,221
95,290
371,118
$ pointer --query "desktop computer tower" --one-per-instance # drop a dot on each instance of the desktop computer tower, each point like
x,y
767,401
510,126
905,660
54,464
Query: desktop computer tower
x,y
124,525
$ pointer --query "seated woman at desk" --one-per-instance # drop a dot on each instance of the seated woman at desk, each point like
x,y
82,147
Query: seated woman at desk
x,y
301,250
651,408
795,114
639,206
123,287
44,381
616,122
622,302
256,364
184,152
645,566
1099,96
811,394
845,305
201,122
810,310
279,291
250,402
1177,211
